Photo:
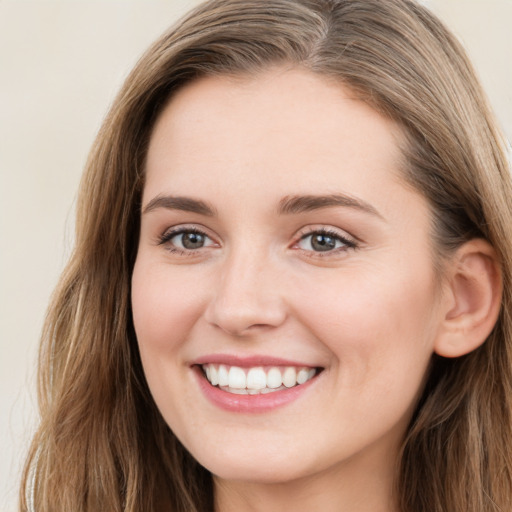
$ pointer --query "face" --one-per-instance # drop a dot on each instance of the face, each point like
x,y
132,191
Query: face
x,y
284,296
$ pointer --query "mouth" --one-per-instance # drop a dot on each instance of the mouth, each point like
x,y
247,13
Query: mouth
x,y
256,380
255,383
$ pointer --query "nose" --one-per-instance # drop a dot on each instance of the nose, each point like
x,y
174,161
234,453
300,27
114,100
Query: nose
x,y
247,297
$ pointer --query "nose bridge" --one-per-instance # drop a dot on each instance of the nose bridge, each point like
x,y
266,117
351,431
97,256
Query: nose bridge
x,y
247,296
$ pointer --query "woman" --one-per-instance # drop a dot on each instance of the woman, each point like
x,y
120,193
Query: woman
x,y
291,281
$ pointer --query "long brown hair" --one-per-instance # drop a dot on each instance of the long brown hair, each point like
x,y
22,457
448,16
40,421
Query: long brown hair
x,y
102,444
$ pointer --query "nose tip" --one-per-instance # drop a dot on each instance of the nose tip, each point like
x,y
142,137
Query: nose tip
x,y
245,301
244,315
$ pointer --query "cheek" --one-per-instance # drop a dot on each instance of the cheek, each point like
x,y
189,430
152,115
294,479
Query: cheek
x,y
380,333
164,308
377,324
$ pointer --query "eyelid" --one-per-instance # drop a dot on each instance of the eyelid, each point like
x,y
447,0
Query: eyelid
x,y
327,228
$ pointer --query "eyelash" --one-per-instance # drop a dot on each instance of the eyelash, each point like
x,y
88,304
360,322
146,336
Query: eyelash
x,y
347,243
166,238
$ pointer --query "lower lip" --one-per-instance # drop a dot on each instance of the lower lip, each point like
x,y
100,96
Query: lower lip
x,y
250,403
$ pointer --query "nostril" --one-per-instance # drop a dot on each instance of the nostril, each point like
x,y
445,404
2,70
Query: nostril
x,y
244,323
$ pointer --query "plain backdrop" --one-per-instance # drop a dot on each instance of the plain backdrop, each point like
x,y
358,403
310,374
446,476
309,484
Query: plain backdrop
x,y
61,63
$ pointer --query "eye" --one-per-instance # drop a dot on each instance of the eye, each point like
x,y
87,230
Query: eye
x,y
186,239
324,241
189,240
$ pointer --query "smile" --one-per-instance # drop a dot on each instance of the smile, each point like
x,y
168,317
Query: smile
x,y
254,383
256,380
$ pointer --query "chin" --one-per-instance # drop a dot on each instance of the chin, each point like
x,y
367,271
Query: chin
x,y
262,468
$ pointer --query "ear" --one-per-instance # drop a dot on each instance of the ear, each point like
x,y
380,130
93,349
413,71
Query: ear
x,y
471,301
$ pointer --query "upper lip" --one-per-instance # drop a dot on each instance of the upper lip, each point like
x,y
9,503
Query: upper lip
x,y
249,361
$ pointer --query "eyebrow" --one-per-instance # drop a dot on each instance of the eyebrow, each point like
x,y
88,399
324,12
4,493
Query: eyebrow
x,y
186,204
307,203
287,206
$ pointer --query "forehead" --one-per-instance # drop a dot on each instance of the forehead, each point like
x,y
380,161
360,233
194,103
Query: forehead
x,y
280,132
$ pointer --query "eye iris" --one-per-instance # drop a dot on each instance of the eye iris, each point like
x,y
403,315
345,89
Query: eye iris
x,y
192,240
321,242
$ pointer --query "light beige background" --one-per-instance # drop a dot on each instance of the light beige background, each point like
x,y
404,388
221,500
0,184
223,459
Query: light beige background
x,y
61,63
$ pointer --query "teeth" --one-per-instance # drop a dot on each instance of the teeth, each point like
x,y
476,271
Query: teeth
x,y
223,376
237,378
274,378
214,376
290,377
257,380
302,376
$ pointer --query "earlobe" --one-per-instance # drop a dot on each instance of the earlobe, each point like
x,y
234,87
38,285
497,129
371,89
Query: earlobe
x,y
474,286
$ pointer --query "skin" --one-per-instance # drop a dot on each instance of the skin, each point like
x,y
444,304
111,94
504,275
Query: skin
x,y
369,315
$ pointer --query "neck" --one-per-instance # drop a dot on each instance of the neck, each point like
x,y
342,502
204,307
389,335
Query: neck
x,y
341,489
